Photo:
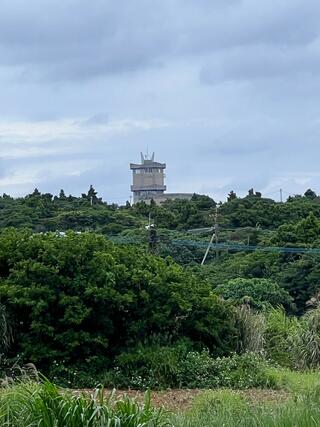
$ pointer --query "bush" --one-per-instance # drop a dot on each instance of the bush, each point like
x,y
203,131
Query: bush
x,y
80,300
163,367
80,375
148,366
260,293
199,370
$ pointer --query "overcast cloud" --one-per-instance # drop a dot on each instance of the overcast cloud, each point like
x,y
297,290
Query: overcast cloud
x,y
226,92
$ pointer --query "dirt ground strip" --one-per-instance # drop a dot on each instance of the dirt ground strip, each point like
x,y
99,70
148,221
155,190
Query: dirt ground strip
x,y
181,399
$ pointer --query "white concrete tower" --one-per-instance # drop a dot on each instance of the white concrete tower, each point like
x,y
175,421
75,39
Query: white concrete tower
x,y
148,179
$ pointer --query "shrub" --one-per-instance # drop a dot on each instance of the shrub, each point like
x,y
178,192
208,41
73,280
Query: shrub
x,y
80,375
163,366
260,293
80,300
149,365
199,370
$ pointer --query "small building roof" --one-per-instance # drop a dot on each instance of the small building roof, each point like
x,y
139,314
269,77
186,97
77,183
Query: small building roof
x,y
148,165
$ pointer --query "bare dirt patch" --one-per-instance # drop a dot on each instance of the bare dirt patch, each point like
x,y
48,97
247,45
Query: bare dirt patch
x,y
258,396
177,400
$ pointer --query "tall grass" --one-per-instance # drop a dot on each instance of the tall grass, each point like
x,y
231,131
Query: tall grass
x,y
288,341
251,330
308,342
45,405
296,382
225,408
31,404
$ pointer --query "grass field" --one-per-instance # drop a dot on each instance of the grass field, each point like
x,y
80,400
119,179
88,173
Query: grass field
x,y
295,403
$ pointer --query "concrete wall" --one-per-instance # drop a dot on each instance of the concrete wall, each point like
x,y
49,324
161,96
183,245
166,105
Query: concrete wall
x,y
144,180
161,198
173,196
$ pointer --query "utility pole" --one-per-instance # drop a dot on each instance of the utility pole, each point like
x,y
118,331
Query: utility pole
x,y
152,236
281,198
215,235
216,228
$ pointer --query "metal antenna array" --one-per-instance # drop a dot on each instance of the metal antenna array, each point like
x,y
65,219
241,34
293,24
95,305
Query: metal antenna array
x,y
215,235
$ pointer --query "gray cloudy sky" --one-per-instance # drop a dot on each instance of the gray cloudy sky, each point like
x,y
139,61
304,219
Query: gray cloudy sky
x,y
226,92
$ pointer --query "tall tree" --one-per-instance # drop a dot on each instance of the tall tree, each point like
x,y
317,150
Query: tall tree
x,y
310,194
231,196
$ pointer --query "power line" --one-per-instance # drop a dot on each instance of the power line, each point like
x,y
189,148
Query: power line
x,y
222,246
246,248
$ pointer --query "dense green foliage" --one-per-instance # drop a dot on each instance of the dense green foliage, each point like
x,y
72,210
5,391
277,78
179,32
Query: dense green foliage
x,y
175,366
78,301
200,370
43,212
260,293
86,303
287,341
252,219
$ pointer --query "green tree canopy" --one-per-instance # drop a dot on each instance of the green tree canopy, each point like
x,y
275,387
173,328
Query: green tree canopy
x,y
80,299
258,293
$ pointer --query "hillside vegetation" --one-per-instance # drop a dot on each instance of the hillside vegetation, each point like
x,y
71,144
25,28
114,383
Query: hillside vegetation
x,y
84,300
